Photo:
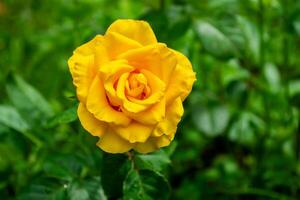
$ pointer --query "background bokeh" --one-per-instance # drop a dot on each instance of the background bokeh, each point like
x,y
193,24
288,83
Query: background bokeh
x,y
240,134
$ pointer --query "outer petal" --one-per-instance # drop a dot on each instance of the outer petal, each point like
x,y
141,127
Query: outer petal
x,y
152,115
168,126
139,31
83,71
134,132
111,142
98,105
84,63
89,122
89,47
146,147
164,132
182,79
116,44
156,58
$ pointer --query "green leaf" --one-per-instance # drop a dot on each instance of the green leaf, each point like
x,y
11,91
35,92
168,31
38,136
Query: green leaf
x,y
10,117
67,116
211,120
156,161
44,189
113,172
65,166
294,87
214,41
244,129
88,189
25,97
145,185
272,76
94,188
77,192
250,34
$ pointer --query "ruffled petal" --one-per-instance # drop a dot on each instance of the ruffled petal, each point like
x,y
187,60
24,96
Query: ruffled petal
x,y
89,122
111,142
164,132
182,79
84,63
157,89
110,73
156,58
152,115
134,132
99,106
126,104
83,71
137,30
168,125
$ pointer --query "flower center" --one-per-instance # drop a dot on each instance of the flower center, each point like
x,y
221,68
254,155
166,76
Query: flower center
x,y
137,86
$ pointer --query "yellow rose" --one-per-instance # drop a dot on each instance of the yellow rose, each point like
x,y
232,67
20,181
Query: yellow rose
x,y
130,88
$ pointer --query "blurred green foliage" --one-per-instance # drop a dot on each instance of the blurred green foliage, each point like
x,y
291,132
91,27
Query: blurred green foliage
x,y
239,137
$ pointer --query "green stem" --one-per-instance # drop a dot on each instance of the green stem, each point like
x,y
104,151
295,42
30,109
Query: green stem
x,y
260,147
33,139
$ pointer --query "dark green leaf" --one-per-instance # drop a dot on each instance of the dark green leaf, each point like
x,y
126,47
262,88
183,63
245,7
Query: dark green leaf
x,y
113,172
145,185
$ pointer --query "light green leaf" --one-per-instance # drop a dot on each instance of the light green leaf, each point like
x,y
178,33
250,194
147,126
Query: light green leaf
x,y
244,129
294,87
145,185
214,41
94,188
77,192
250,34
156,161
44,189
272,76
25,97
67,116
211,120
10,117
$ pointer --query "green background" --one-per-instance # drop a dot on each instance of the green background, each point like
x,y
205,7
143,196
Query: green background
x,y
240,134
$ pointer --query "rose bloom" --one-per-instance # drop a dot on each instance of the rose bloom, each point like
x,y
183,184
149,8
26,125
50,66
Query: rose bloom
x,y
130,88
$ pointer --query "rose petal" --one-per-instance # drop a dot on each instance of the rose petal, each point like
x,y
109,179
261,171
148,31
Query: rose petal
x,y
182,79
127,105
111,142
134,132
168,125
116,44
83,65
152,115
98,105
156,58
146,147
137,30
89,122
